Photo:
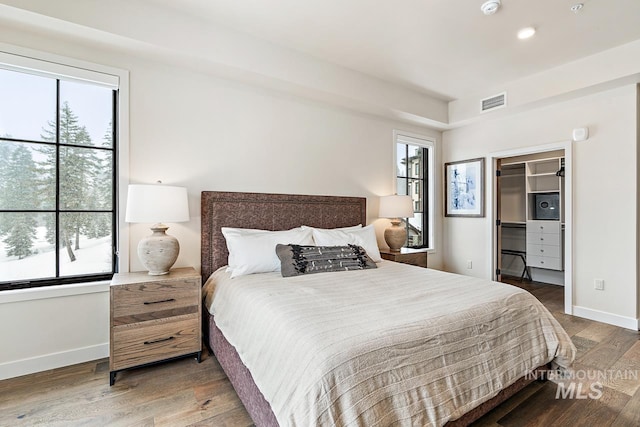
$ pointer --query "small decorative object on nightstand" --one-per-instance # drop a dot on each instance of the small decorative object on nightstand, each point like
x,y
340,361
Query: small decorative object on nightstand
x,y
407,256
396,207
154,319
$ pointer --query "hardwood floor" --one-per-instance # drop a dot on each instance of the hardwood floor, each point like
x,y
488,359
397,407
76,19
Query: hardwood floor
x,y
185,393
178,393
602,350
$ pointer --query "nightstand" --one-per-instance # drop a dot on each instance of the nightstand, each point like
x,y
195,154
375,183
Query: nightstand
x,y
154,318
406,256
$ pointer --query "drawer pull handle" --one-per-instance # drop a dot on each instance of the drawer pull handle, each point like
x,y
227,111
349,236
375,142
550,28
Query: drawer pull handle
x,y
157,341
541,250
158,302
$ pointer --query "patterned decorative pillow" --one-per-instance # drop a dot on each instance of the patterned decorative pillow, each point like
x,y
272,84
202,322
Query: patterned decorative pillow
x,y
298,259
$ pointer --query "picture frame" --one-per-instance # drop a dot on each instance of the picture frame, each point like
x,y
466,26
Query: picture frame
x,y
464,188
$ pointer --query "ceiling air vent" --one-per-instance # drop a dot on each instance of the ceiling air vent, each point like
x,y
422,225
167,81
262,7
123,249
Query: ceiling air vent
x,y
494,102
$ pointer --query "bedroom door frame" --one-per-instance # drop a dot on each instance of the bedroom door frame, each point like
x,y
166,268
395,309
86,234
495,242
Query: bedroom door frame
x,y
492,214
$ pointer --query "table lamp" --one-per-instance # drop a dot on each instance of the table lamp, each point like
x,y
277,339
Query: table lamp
x,y
154,204
396,207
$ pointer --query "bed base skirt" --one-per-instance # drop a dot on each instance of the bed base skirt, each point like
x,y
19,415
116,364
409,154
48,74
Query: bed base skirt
x,y
241,379
260,411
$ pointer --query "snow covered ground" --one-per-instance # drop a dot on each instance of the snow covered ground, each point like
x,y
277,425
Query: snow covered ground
x,y
94,256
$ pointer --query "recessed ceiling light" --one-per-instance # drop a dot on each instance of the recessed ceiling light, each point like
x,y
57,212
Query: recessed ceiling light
x,y
525,33
490,7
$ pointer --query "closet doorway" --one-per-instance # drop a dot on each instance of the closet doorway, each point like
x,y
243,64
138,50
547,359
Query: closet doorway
x,y
531,216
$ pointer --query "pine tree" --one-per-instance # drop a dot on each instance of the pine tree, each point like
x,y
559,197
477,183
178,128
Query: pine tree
x,y
6,148
20,237
102,191
78,170
19,176
46,185
104,183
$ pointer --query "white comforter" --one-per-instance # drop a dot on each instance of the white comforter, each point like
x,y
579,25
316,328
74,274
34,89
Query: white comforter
x,y
398,345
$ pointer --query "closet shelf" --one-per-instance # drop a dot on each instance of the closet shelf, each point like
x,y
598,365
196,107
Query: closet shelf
x,y
554,190
542,174
514,224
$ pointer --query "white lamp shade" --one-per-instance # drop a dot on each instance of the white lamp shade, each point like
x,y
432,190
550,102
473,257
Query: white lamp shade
x,y
157,203
396,207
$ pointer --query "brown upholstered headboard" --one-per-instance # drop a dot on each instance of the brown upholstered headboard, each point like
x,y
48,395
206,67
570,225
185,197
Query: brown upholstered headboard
x,y
269,212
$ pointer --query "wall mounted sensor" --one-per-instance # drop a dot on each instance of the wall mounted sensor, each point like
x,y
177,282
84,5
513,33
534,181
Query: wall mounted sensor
x,y
580,134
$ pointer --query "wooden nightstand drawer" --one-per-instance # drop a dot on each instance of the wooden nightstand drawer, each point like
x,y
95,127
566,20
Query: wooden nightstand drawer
x,y
155,341
154,300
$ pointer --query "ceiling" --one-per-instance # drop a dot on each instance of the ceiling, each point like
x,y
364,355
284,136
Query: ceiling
x,y
424,62
443,48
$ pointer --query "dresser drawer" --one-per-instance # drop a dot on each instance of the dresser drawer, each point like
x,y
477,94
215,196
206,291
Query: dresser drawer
x,y
144,343
543,239
552,251
544,227
550,263
154,300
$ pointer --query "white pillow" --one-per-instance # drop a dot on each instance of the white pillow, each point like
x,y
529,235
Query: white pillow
x,y
230,231
353,227
245,231
365,237
254,251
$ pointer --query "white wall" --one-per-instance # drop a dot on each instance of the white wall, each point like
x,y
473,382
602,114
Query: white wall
x,y
206,133
605,194
43,329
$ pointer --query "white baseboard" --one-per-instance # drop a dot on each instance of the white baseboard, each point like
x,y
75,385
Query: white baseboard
x,y
52,361
604,317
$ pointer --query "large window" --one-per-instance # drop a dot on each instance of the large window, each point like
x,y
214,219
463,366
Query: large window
x,y
57,178
414,177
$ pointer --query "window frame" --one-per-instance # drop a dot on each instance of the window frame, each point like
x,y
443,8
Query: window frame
x,y
44,64
428,177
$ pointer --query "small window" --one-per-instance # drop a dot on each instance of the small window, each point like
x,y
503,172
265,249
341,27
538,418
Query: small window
x,y
414,177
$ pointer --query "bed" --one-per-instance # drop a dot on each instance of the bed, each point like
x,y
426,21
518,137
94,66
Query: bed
x,y
369,376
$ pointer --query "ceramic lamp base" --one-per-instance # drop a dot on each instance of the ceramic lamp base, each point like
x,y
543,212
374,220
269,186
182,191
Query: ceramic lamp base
x,y
159,251
395,236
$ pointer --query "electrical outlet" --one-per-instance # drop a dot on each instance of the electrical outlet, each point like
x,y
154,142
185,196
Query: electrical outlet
x,y
598,284
469,265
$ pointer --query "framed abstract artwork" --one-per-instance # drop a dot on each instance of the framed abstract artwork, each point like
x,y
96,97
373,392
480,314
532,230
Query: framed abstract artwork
x,y
464,188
